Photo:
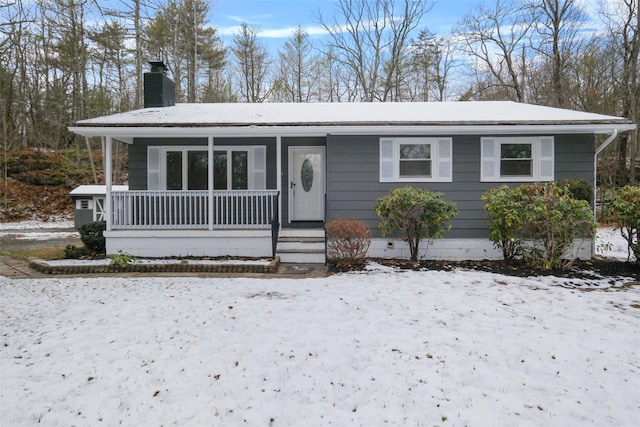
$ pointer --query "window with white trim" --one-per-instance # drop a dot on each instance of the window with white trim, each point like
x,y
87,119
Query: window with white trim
x,y
187,168
415,159
517,159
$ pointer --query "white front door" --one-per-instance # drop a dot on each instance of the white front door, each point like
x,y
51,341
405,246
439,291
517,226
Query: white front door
x,y
306,183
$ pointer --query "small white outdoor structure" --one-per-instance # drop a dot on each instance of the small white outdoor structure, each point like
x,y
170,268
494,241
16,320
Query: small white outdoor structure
x,y
89,202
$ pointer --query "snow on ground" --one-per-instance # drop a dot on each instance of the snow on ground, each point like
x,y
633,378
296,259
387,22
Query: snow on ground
x,y
610,244
38,230
170,261
39,235
380,347
36,224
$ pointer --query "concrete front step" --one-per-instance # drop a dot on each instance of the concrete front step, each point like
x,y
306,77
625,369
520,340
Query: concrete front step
x,y
301,232
301,256
308,243
302,246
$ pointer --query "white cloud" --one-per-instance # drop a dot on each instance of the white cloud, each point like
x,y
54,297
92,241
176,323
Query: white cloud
x,y
272,33
287,32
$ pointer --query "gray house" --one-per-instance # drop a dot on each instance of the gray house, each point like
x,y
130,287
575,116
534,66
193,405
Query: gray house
x,y
212,179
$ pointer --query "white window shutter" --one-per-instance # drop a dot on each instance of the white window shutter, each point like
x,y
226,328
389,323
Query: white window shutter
x,y
387,160
490,160
153,168
546,164
445,160
259,167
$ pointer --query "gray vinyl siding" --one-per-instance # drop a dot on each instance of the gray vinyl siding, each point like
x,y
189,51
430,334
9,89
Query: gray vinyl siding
x,y
352,174
353,178
138,155
574,157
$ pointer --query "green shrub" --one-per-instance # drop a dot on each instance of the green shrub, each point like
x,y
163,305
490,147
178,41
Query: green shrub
x,y
348,241
507,219
92,236
579,189
539,222
554,220
415,213
73,252
122,259
625,211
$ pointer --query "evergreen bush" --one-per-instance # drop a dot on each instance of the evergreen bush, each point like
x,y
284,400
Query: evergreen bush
x,y
625,211
507,221
579,189
92,236
415,213
538,222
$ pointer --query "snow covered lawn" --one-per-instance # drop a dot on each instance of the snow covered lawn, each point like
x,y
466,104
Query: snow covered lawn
x,y
373,348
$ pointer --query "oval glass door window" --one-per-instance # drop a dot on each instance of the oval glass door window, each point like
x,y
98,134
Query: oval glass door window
x,y
306,175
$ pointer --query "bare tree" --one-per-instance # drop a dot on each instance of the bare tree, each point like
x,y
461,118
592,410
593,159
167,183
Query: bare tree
x,y
431,62
369,38
178,35
298,68
495,38
559,30
622,19
135,13
12,19
253,63
592,79
109,54
336,84
12,22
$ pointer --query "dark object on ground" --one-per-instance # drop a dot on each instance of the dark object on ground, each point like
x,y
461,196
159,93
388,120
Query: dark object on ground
x,y
582,269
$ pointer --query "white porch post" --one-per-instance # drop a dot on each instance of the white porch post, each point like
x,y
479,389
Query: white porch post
x,y
210,181
108,182
279,175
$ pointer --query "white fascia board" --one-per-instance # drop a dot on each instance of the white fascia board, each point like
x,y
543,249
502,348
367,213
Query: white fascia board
x,y
126,134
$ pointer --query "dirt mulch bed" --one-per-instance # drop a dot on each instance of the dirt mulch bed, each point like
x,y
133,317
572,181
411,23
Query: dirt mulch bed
x,y
582,269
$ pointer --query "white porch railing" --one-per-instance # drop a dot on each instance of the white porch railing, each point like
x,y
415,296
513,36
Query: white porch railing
x,y
163,210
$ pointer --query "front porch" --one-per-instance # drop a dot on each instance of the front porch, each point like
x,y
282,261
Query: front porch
x,y
293,245
240,223
194,210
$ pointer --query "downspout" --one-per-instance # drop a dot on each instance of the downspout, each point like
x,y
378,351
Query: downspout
x,y
605,144
279,175
276,223
210,172
108,183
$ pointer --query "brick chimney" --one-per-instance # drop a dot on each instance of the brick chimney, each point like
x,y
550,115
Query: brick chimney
x,y
159,89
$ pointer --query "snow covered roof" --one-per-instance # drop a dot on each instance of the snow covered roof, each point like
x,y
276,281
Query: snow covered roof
x,y
323,118
96,190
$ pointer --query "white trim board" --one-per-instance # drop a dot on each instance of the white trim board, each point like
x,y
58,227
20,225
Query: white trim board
x,y
451,249
127,134
161,243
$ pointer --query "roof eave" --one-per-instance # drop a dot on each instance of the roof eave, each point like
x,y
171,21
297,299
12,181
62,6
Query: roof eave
x,y
127,133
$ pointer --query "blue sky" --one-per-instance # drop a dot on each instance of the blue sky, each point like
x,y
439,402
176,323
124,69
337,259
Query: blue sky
x,y
276,19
